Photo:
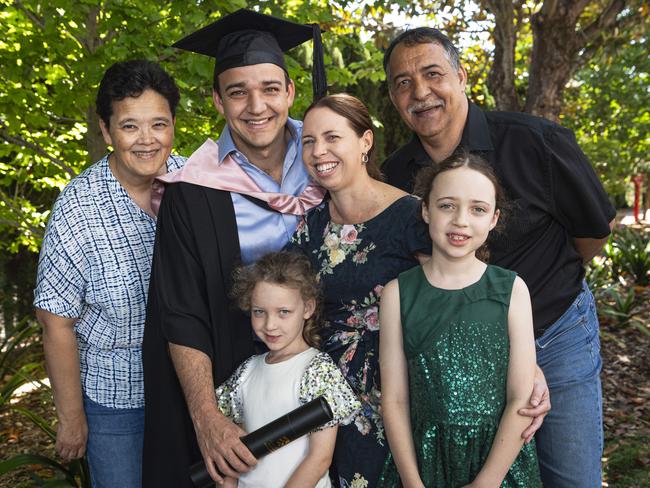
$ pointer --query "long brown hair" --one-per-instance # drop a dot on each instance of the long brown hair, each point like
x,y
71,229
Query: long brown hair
x,y
462,158
288,269
357,115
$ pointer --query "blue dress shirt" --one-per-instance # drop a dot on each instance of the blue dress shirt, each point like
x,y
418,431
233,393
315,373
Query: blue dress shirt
x,y
261,230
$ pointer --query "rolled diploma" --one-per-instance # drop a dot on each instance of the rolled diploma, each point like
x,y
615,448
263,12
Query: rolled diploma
x,y
275,434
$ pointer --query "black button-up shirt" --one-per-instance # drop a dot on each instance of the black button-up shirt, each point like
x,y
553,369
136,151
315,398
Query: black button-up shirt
x,y
555,193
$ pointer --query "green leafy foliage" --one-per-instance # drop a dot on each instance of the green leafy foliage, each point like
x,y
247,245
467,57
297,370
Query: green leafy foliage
x,y
622,306
21,362
607,107
72,475
21,359
633,248
53,55
628,462
626,259
614,276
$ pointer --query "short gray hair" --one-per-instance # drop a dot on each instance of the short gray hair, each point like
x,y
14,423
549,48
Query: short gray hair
x,y
423,35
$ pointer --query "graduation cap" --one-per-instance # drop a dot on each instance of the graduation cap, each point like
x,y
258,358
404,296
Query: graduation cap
x,y
245,37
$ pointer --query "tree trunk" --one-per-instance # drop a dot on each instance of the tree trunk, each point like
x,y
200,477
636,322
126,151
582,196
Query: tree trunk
x,y
501,80
563,39
94,139
554,56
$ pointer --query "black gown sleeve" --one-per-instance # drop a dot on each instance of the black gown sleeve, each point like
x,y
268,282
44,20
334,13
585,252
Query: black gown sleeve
x,y
179,277
196,248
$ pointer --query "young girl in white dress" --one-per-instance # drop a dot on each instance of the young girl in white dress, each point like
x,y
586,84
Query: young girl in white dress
x,y
282,295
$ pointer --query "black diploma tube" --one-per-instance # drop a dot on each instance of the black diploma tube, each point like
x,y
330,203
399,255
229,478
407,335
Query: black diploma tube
x,y
274,435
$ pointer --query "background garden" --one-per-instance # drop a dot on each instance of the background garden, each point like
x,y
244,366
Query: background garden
x,y
583,63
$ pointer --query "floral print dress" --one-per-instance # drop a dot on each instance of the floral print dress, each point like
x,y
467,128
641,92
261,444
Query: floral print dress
x,y
354,262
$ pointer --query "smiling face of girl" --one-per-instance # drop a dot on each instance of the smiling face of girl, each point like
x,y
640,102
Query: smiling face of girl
x,y
461,211
278,315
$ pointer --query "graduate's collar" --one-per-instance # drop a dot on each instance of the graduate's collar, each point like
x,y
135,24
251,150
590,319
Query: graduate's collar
x,y
229,176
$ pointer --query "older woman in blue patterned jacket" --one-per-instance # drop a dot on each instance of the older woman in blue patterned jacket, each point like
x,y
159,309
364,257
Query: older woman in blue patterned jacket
x,y
93,276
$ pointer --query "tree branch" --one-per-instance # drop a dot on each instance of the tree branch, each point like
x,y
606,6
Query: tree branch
x,y
32,16
64,120
70,34
604,21
20,141
599,41
579,6
501,79
21,222
548,8
91,42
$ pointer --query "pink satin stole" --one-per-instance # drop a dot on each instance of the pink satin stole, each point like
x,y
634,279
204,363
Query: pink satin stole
x,y
202,169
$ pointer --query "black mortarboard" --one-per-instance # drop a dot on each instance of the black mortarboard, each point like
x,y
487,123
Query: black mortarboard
x,y
244,38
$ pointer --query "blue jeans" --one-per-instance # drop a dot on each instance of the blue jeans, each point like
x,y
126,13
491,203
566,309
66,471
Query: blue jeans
x,y
114,449
570,442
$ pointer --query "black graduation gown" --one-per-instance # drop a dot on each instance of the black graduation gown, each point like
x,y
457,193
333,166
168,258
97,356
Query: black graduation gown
x,y
197,247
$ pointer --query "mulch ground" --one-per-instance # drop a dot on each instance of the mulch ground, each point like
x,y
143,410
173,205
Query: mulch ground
x,y
626,399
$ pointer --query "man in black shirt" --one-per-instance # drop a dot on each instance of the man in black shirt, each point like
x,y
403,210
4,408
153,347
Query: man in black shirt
x,y
560,220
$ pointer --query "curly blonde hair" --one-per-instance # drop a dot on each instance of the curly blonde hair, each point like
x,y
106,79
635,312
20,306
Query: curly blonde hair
x,y
287,269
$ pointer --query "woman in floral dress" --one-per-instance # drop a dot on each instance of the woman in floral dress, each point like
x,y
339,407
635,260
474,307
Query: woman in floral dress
x,y
364,235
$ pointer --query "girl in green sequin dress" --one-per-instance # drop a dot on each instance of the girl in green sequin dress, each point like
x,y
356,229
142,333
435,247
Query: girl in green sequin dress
x,y
457,351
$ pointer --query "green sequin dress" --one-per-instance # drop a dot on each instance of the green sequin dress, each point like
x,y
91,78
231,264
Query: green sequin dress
x,y
457,348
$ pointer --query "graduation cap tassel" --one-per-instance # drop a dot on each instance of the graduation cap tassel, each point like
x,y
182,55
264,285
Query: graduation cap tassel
x,y
319,75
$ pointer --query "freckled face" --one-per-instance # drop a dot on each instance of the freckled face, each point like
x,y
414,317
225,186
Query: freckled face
x,y
331,150
460,211
141,132
278,315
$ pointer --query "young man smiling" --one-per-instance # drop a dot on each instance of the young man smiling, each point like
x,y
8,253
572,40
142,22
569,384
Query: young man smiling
x,y
236,200
255,102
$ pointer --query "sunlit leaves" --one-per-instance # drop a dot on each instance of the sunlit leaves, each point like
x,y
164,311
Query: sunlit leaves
x,y
54,53
608,109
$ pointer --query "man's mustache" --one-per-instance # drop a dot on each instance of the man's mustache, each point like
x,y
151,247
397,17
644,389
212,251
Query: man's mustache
x,y
425,105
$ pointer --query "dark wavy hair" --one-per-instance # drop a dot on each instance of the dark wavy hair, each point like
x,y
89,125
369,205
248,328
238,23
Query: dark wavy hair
x,y
358,116
131,78
462,158
288,269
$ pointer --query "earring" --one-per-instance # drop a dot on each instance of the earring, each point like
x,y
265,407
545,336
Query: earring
x,y
364,157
